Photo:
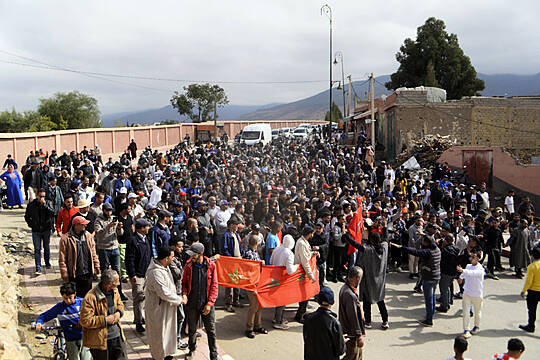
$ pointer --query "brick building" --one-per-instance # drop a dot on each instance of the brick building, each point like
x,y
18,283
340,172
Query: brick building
x,y
409,114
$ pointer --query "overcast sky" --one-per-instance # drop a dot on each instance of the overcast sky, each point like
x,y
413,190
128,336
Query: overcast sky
x,y
237,41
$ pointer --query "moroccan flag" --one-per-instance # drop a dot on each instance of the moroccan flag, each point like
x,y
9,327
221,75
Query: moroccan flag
x,y
277,288
355,228
238,273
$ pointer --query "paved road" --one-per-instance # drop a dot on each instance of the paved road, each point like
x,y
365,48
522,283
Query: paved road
x,y
503,311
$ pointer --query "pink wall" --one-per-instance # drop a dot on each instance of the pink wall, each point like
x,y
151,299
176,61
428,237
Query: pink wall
x,y
115,140
505,167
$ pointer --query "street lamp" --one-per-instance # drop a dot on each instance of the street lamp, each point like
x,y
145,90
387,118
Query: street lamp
x,y
339,55
327,10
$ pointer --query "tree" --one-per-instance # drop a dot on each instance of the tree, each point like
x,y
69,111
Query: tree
x,y
336,113
72,110
198,101
29,121
435,59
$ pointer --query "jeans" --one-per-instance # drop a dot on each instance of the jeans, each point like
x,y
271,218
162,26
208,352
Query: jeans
x,y
76,351
179,321
533,297
110,258
192,318
445,288
37,238
429,298
321,268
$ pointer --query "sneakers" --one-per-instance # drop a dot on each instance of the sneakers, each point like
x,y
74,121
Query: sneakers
x,y
526,328
425,323
368,325
281,326
38,272
418,291
467,334
230,309
285,321
475,330
385,325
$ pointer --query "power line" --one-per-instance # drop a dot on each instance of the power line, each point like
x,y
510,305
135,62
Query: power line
x,y
462,117
152,78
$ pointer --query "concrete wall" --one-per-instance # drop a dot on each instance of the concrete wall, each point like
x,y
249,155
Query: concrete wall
x,y
507,173
114,140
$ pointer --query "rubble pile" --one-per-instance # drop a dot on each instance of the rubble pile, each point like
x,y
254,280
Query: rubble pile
x,y
10,345
427,149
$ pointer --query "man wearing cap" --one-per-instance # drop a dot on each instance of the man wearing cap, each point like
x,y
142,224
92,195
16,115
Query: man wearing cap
x,y
220,221
84,210
77,258
230,246
150,215
160,234
107,230
121,182
138,256
323,336
199,294
136,209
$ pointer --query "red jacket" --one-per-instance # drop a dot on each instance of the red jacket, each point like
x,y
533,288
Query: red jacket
x,y
211,281
64,218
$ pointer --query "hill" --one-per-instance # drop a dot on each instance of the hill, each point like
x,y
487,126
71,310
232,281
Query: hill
x,y
314,107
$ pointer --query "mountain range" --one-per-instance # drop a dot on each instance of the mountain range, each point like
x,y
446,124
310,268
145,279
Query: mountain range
x,y
314,107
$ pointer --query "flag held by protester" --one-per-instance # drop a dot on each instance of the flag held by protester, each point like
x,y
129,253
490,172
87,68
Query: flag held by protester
x,y
238,273
355,228
277,288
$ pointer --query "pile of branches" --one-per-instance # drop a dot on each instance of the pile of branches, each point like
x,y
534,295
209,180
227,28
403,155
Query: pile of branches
x,y
428,149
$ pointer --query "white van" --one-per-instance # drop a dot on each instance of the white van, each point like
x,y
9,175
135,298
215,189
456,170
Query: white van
x,y
256,133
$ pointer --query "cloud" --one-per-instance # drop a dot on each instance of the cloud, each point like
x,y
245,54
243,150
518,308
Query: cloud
x,y
238,41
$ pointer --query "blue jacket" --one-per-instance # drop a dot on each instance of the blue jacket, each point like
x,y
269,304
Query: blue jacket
x,y
138,256
158,237
227,244
68,315
118,185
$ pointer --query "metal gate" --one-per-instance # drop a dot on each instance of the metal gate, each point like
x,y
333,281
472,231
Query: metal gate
x,y
479,165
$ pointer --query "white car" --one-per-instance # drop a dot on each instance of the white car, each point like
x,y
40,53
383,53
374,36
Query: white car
x,y
275,134
286,133
300,132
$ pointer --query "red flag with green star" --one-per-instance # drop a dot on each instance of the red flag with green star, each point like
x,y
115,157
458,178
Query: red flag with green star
x,y
277,288
238,273
355,228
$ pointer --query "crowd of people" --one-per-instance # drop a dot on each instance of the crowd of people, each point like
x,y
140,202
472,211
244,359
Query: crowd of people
x,y
159,220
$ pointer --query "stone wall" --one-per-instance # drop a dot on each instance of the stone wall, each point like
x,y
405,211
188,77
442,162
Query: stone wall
x,y
10,346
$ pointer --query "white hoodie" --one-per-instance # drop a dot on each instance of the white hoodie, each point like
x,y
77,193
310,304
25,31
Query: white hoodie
x,y
283,255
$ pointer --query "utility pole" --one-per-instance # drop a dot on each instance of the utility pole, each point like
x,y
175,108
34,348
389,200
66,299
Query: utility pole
x,y
215,122
327,10
349,96
372,95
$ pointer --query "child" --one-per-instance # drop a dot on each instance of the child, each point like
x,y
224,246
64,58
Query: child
x,y
473,293
67,312
460,346
515,350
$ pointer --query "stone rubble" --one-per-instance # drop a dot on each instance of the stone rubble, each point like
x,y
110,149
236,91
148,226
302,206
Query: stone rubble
x,y
14,248
427,149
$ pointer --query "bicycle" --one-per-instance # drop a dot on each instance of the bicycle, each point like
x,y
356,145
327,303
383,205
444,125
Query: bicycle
x,y
59,344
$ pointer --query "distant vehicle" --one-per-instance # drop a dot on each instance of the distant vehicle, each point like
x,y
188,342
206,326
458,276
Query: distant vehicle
x,y
305,126
286,133
256,133
300,133
275,134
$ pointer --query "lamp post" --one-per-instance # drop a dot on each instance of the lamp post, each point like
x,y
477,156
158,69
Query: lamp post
x,y
339,55
327,10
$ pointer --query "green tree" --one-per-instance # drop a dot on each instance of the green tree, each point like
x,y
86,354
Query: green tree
x,y
73,110
13,121
197,101
435,59
336,113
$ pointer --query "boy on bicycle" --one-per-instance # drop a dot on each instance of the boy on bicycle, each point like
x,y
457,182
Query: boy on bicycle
x,y
67,311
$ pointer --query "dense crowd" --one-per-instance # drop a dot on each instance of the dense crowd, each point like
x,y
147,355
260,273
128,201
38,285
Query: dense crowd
x,y
160,219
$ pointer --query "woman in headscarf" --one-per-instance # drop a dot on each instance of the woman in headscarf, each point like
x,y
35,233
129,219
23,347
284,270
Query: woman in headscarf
x,y
14,187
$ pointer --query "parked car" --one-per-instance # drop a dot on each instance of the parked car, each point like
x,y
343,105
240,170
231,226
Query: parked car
x,y
300,133
275,134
